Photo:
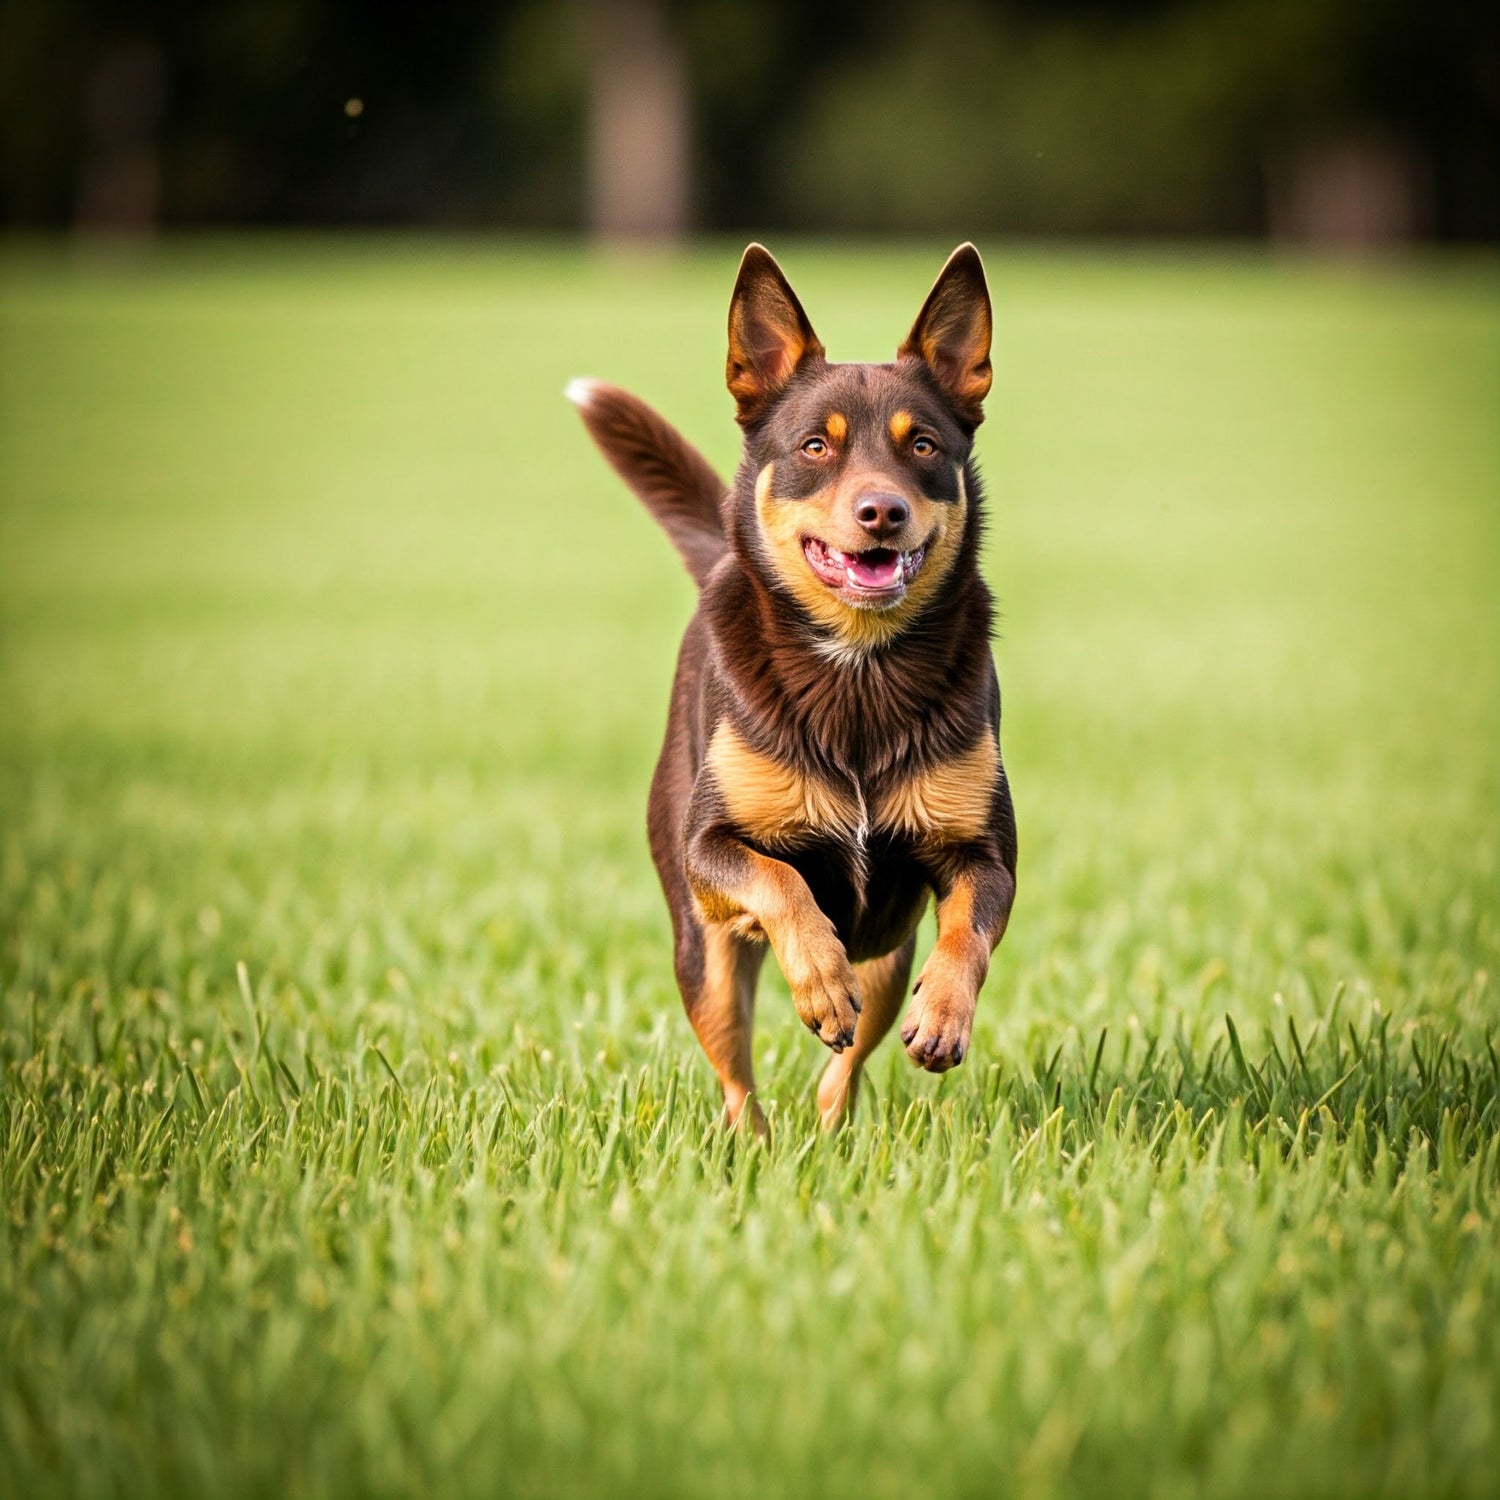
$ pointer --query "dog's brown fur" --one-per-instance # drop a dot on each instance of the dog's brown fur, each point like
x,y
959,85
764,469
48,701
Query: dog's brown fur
x,y
832,751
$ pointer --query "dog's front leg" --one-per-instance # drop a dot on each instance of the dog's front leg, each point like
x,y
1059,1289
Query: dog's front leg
x,y
760,897
974,900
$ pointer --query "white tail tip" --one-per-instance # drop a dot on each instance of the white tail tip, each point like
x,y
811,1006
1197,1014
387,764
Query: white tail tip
x,y
580,391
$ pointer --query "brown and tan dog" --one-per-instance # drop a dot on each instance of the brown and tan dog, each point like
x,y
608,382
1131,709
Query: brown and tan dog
x,y
832,752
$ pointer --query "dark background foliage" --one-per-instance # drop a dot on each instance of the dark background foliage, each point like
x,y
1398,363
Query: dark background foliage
x,y
1302,118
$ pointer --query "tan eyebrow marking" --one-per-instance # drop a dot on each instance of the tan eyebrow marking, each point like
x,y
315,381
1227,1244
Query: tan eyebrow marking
x,y
900,426
837,425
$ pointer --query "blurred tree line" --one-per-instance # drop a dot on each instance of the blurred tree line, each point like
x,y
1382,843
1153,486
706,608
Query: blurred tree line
x,y
1315,119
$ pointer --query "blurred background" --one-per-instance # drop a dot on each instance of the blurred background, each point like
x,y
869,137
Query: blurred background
x,y
352,1139
1337,122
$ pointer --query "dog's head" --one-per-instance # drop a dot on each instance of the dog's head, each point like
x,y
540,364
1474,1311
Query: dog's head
x,y
855,494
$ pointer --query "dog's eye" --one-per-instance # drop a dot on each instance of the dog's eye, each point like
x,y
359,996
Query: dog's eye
x,y
815,447
924,447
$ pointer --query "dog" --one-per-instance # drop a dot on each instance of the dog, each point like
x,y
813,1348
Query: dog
x,y
832,754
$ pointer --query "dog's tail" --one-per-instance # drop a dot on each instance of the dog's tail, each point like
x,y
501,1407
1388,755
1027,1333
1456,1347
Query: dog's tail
x,y
671,477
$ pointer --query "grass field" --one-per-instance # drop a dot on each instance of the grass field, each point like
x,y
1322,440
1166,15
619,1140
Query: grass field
x,y
352,1139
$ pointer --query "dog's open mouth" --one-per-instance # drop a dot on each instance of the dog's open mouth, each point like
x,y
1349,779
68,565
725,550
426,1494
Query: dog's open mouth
x,y
879,573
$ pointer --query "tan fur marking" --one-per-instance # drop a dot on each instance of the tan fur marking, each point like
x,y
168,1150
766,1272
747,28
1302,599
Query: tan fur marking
x,y
771,803
900,427
783,524
770,899
938,1027
723,1013
772,888
956,912
882,987
837,426
959,945
948,802
763,483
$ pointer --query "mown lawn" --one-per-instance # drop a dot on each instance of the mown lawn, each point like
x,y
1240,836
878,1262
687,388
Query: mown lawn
x,y
351,1136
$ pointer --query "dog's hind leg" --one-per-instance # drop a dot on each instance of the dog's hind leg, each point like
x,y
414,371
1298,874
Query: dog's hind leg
x,y
882,986
719,994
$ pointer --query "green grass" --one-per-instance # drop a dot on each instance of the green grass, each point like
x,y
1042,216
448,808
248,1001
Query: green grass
x,y
328,647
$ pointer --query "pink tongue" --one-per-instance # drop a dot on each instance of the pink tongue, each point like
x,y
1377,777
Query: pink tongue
x,y
874,570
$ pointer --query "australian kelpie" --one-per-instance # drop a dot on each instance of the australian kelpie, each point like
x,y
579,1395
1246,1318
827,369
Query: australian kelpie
x,y
832,751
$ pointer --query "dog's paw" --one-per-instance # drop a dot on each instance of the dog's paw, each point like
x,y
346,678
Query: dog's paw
x,y
823,987
936,1030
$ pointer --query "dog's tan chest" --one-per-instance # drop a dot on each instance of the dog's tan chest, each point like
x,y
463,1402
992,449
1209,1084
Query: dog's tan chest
x,y
775,804
779,806
946,802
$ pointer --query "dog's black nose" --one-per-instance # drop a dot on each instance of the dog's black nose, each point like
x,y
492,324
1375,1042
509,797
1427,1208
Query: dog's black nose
x,y
881,515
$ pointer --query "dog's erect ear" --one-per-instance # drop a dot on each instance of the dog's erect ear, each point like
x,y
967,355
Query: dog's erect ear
x,y
769,335
952,333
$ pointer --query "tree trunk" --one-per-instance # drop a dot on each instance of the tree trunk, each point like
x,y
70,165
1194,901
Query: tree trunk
x,y
638,122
